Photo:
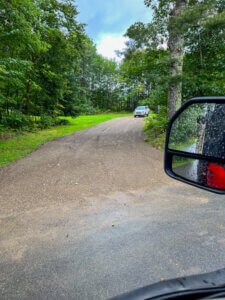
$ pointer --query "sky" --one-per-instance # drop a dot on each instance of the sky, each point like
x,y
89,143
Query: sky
x,y
108,20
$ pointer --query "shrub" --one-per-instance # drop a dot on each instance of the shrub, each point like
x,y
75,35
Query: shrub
x,y
18,121
60,122
157,123
155,128
45,122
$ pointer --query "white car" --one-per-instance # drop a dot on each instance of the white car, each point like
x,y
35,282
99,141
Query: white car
x,y
141,111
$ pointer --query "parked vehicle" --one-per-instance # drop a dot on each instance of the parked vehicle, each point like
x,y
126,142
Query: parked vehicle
x,y
141,111
194,154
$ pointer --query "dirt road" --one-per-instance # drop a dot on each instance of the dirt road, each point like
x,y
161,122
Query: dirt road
x,y
108,158
91,215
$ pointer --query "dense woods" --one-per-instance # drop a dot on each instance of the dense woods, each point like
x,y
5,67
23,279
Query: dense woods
x,y
179,55
199,67
49,67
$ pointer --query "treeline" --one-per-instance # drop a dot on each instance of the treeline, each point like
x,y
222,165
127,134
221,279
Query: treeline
x,y
49,66
194,65
147,57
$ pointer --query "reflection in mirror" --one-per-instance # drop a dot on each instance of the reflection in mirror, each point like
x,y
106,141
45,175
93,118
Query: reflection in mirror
x,y
200,129
203,172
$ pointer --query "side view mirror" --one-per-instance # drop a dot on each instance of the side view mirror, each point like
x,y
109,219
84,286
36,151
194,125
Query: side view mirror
x,y
195,144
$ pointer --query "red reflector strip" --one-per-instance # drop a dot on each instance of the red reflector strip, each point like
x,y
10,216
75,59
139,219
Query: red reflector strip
x,y
216,176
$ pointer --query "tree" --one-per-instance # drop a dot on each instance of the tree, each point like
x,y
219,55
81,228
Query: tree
x,y
144,68
176,50
173,19
204,69
19,44
48,65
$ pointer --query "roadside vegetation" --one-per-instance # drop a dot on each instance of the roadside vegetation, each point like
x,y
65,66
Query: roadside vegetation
x,y
16,144
155,126
50,68
191,66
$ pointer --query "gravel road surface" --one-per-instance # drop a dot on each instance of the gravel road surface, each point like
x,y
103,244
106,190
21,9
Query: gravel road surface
x,y
92,215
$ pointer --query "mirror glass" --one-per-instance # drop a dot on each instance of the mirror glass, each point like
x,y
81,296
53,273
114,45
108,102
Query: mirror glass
x,y
200,129
206,173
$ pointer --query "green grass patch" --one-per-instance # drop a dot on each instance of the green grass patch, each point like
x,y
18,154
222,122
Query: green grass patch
x,y
183,145
14,145
179,161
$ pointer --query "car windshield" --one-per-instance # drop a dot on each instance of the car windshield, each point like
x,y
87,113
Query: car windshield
x,y
140,107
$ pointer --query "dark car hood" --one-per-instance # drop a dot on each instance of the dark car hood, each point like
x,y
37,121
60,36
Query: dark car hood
x,y
211,280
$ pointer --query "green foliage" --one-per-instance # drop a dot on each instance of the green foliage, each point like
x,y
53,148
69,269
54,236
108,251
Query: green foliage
x,y
157,98
157,123
155,128
146,63
143,74
48,65
17,120
184,128
204,68
45,122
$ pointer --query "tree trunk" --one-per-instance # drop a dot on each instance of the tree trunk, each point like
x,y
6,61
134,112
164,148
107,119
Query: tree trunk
x,y
176,49
27,98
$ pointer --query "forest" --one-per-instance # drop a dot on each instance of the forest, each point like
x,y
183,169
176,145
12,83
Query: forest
x,y
49,67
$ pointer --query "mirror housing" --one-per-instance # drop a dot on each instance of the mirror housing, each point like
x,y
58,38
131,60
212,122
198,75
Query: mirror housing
x,y
195,144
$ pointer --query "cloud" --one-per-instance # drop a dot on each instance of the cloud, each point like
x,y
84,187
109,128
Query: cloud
x,y
114,16
109,43
108,20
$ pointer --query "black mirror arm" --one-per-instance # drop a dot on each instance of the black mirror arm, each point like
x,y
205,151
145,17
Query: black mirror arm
x,y
170,153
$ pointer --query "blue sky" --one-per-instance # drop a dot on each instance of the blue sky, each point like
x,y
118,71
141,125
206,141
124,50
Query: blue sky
x,y
107,21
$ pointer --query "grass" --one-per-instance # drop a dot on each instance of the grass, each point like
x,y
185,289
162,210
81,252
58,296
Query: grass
x,y
181,161
183,145
158,141
15,145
